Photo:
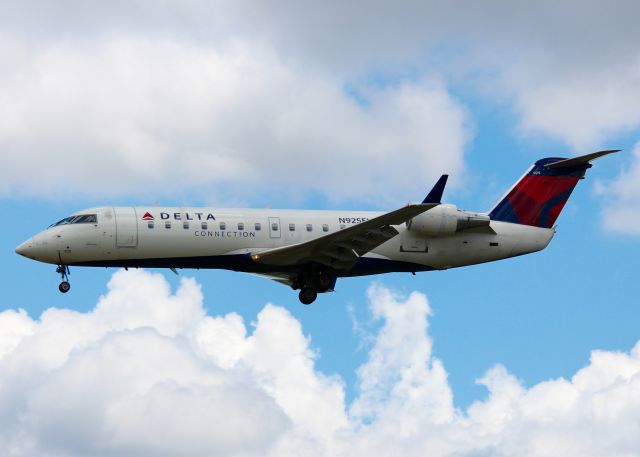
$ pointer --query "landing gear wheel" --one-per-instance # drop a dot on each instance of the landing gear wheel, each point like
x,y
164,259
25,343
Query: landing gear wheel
x,y
64,287
63,271
307,295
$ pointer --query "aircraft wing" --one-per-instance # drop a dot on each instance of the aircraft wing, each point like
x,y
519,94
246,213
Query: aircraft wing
x,y
340,250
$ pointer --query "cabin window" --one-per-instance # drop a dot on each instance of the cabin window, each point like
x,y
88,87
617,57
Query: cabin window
x,y
493,244
204,226
185,225
292,227
258,227
150,224
342,226
223,225
274,227
309,227
167,224
240,225
325,227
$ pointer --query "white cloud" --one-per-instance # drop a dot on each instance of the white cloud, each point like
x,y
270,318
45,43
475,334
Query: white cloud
x,y
583,107
147,372
584,113
131,115
622,212
234,98
410,383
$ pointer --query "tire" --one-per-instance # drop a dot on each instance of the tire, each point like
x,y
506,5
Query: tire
x,y
64,287
307,295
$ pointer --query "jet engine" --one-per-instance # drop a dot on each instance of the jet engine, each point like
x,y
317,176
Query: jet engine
x,y
446,220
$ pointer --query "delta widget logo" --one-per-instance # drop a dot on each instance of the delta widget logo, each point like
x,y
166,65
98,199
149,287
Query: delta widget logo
x,y
180,216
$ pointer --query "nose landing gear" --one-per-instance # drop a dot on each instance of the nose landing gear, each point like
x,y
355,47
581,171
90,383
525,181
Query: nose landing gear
x,y
63,271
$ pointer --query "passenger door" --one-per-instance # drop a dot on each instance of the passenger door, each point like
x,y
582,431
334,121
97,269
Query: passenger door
x,y
126,227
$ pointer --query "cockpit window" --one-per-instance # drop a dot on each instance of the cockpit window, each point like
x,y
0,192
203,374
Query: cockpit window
x,y
64,221
85,219
79,219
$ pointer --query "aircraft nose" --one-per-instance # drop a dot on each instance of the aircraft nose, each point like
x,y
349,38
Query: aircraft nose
x,y
25,248
41,248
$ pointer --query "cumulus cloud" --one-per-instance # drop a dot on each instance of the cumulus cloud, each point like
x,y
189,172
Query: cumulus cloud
x,y
148,372
622,213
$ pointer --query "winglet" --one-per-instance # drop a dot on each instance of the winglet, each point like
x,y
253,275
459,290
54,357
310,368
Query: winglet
x,y
582,160
435,195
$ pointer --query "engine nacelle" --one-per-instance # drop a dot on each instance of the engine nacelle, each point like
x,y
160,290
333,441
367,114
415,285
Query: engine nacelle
x,y
439,221
446,220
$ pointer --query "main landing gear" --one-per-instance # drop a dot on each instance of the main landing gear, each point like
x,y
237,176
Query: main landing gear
x,y
312,281
63,271
307,295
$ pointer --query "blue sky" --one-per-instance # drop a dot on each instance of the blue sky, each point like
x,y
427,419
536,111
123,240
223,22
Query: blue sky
x,y
258,107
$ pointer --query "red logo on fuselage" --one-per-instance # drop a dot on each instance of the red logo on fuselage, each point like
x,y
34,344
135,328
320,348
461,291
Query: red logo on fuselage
x,y
147,216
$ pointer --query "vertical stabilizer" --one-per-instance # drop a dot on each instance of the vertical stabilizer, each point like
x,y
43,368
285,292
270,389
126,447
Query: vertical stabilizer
x,y
538,198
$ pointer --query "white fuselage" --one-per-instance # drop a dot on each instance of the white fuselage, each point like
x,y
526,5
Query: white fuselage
x,y
225,238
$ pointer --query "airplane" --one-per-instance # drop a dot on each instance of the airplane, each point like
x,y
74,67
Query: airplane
x,y
308,250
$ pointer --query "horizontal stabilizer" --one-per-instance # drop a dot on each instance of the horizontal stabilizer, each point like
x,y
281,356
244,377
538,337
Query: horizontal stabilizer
x,y
435,195
582,160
